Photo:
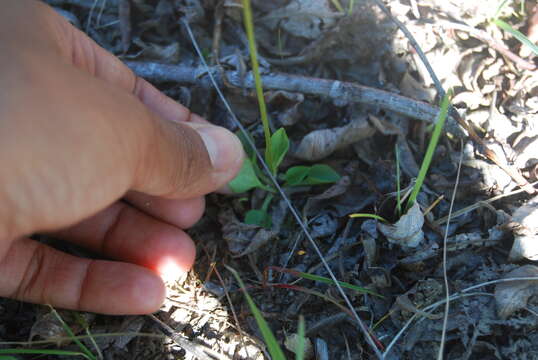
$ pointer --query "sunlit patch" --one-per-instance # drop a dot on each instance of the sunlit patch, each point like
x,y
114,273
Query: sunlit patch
x,y
170,270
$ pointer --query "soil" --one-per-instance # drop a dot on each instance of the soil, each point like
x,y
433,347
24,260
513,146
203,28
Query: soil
x,y
351,90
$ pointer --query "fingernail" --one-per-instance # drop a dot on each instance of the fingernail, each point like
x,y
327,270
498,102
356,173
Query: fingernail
x,y
224,148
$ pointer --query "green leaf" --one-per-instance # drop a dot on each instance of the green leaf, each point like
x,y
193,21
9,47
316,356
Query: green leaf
x,y
519,36
441,118
322,174
246,179
325,280
251,154
268,337
296,175
311,175
258,217
280,145
365,215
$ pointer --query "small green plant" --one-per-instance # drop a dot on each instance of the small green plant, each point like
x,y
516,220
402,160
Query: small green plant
x,y
324,280
85,352
508,28
268,337
430,150
276,147
443,113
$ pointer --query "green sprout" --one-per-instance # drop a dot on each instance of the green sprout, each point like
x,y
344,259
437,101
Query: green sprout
x,y
277,145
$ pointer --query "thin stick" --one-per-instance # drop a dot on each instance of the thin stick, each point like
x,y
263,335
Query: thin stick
x,y
294,212
340,91
445,274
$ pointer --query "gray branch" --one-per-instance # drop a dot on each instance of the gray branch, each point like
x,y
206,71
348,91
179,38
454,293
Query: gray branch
x,y
340,92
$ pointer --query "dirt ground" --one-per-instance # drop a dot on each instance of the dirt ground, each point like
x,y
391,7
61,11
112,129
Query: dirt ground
x,y
349,86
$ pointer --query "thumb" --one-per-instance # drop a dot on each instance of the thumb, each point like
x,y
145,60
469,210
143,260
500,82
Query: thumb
x,y
187,159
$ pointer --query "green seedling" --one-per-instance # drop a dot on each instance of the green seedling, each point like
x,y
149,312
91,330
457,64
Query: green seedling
x,y
430,150
324,280
337,5
366,215
299,351
518,35
398,195
276,147
508,28
268,337
85,352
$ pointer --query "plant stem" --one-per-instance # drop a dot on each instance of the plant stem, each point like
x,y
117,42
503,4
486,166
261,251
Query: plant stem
x,y
249,26
429,151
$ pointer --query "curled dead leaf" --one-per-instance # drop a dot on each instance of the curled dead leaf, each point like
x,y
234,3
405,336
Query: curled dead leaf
x,y
406,232
321,143
242,238
512,296
525,220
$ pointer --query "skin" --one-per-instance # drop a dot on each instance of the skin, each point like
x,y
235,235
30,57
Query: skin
x,y
100,158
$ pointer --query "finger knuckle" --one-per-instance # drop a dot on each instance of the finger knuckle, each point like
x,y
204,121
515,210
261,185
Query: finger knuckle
x,y
32,285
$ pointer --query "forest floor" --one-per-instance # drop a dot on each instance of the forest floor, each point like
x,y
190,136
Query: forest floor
x,y
351,90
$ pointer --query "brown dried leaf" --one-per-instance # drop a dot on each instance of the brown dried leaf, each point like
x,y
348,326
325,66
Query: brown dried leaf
x,y
525,244
321,143
407,232
242,238
512,296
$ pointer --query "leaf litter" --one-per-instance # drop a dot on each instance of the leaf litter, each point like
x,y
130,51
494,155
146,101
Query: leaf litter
x,y
493,93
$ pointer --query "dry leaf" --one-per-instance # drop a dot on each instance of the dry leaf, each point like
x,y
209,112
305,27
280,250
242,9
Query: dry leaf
x,y
511,296
407,232
242,238
321,143
525,244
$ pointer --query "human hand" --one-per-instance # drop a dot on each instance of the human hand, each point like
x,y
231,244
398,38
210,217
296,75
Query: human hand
x,y
100,158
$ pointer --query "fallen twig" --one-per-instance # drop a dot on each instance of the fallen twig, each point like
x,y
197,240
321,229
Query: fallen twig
x,y
341,92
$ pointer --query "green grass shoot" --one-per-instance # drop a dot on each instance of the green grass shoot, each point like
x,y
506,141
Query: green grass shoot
x,y
249,26
269,338
324,280
518,35
366,215
398,195
70,333
299,351
337,5
351,5
430,150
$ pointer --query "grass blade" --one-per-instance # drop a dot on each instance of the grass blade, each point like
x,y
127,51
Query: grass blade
x,y
41,352
324,280
337,5
249,27
70,333
268,336
371,216
430,150
299,350
518,35
398,195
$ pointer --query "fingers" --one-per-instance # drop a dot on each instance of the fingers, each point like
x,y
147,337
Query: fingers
x,y
124,233
37,273
181,213
87,55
